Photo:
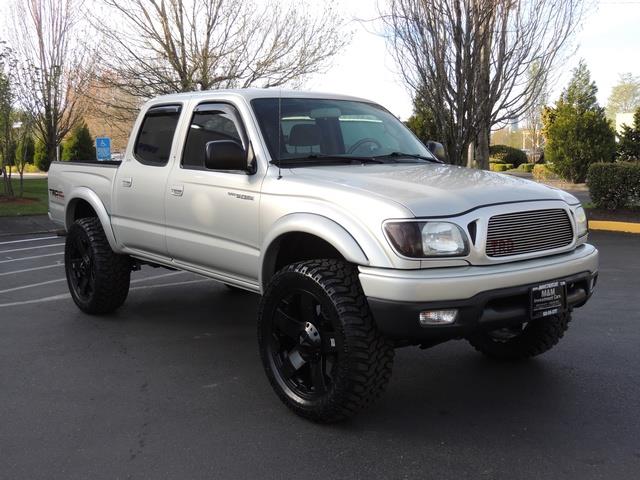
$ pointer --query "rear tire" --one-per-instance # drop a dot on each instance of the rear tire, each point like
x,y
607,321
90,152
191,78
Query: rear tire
x,y
534,338
319,345
98,278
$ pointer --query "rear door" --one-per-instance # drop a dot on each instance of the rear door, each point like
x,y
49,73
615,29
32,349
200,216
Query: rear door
x,y
212,215
140,188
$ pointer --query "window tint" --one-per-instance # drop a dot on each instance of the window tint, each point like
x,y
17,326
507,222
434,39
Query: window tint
x,y
209,123
153,145
299,127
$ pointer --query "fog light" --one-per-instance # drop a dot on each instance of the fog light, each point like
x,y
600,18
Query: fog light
x,y
437,317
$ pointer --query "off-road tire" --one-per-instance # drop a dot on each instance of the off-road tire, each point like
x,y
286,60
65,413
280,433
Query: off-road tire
x,y
111,272
365,357
537,337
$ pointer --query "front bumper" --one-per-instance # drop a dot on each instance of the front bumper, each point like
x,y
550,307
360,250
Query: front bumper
x,y
486,297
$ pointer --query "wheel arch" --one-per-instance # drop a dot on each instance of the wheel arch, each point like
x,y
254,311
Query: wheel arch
x,y
307,234
84,203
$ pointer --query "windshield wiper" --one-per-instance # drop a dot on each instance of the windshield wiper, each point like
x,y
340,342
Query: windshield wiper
x,y
322,158
409,155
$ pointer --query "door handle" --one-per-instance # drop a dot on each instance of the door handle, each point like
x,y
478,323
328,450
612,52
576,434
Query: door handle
x,y
127,182
176,190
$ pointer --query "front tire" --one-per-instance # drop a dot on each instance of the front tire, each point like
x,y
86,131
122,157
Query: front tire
x,y
98,278
526,341
319,345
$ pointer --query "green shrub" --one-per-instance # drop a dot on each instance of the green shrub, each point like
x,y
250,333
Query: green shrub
x,y
30,168
506,154
500,167
526,167
629,145
614,185
542,172
79,147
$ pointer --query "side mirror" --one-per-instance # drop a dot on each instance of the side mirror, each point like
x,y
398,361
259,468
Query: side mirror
x,y
225,155
437,149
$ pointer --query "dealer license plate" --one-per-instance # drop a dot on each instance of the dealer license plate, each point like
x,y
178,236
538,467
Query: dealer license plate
x,y
548,299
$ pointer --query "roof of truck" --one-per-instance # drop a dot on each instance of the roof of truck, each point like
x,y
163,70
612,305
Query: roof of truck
x,y
251,93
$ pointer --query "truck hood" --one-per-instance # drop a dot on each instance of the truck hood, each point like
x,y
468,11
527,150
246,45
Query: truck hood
x,y
432,189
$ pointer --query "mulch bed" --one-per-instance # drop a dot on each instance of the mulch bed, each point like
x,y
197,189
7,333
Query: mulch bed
x,y
17,200
620,215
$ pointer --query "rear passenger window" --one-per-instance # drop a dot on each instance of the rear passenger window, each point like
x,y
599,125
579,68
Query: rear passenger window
x,y
210,122
153,145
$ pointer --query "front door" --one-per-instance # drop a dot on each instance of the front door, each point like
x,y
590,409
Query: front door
x,y
212,215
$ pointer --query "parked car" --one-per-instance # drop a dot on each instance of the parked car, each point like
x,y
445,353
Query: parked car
x,y
358,239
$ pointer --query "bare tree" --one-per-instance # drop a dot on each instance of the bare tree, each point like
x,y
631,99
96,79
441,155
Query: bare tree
x,y
533,117
157,47
471,59
7,99
54,66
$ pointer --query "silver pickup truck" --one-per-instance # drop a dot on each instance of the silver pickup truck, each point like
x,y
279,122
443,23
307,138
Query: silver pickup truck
x,y
357,237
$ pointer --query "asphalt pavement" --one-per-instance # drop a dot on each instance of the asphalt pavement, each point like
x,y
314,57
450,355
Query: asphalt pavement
x,y
171,386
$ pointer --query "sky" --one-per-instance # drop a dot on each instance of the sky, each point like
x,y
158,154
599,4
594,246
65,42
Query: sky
x,y
609,41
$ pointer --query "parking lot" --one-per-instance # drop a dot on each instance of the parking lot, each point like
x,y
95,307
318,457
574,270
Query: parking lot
x,y
171,386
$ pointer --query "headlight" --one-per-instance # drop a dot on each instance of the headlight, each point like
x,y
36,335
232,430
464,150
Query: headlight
x,y
581,221
427,239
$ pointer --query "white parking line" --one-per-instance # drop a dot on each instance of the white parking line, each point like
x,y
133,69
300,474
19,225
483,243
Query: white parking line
x,y
138,280
32,285
31,258
66,295
31,248
29,240
32,269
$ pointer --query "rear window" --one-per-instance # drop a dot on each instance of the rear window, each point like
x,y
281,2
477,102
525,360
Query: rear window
x,y
153,145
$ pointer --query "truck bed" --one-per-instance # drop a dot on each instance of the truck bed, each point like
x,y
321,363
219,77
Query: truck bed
x,y
65,177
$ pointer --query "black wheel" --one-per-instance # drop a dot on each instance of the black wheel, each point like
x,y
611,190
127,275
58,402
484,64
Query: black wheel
x,y
319,344
98,278
521,342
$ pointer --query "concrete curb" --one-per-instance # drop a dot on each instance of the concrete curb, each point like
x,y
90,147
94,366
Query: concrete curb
x,y
609,226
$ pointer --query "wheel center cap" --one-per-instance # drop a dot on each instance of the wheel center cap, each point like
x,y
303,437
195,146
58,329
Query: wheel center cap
x,y
310,337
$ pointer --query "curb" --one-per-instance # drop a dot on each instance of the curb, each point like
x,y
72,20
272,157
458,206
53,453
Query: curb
x,y
626,227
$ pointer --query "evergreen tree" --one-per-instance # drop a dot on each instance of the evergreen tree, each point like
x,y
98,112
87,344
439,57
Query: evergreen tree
x,y
629,145
79,147
26,150
422,122
40,156
577,131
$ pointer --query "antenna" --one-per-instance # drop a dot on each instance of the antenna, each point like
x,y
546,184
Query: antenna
x,y
279,130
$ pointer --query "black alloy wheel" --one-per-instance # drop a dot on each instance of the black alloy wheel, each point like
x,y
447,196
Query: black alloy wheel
x,y
319,345
98,278
303,346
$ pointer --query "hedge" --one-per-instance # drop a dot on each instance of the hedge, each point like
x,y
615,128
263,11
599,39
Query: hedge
x,y
506,154
526,167
542,172
614,185
500,167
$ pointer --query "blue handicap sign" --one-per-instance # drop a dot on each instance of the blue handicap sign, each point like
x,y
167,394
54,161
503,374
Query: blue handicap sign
x,y
103,148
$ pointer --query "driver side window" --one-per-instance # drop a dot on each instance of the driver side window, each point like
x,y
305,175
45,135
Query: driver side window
x,y
209,123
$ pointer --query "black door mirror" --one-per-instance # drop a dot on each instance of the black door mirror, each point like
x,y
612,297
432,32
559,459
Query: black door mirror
x,y
225,155
437,149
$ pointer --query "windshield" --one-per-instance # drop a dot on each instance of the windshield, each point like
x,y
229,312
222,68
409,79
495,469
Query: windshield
x,y
309,129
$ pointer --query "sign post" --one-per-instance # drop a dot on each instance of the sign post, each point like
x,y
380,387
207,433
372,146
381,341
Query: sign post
x,y
103,149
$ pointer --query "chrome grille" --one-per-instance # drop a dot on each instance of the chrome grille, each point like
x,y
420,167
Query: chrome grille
x,y
527,232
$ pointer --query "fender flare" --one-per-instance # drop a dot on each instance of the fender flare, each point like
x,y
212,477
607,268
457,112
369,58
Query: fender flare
x,y
313,224
92,198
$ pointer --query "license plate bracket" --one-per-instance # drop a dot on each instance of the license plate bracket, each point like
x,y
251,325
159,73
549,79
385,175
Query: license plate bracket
x,y
548,299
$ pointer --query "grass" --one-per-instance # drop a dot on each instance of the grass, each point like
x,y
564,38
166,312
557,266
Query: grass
x,y
33,202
